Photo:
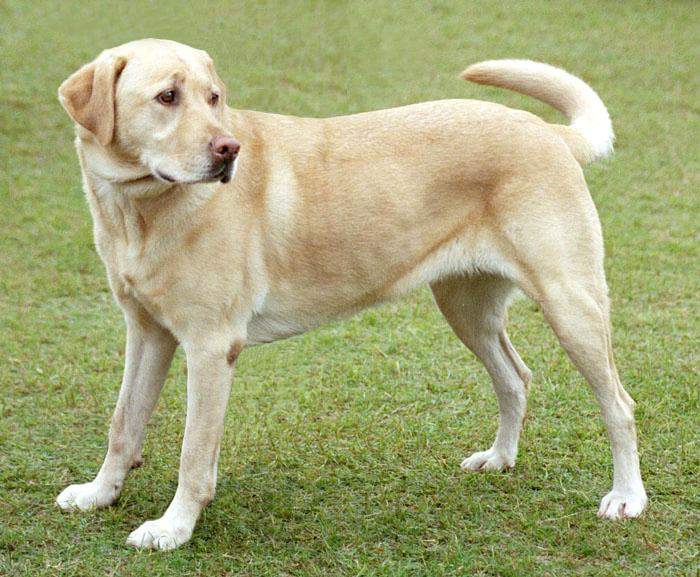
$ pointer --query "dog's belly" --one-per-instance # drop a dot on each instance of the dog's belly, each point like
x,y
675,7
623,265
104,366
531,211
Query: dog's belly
x,y
268,328
302,307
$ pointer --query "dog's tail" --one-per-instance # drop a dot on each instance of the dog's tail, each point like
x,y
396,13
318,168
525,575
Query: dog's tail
x,y
589,136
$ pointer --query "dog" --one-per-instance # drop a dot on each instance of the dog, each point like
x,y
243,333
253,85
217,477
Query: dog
x,y
222,228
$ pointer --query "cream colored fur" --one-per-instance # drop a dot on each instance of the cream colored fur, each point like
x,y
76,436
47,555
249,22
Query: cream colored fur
x,y
322,218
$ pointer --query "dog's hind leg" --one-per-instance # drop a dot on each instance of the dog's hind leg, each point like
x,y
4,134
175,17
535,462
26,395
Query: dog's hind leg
x,y
578,312
149,352
560,266
475,307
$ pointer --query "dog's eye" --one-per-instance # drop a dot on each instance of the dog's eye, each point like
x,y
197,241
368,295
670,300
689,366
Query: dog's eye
x,y
167,97
214,99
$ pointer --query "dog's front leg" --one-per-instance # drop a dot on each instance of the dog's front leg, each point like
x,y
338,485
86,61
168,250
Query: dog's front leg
x,y
149,352
209,372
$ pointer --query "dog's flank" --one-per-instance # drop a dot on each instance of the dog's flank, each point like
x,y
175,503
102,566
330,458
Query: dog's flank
x,y
321,218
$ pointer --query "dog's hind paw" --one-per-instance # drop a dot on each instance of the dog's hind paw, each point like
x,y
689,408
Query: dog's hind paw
x,y
87,496
622,505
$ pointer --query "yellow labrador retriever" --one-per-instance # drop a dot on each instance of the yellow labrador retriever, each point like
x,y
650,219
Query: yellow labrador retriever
x,y
223,228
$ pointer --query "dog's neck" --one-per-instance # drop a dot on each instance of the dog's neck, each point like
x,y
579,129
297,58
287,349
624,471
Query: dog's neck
x,y
129,205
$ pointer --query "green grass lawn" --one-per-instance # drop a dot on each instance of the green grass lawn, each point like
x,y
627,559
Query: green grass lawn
x,y
342,448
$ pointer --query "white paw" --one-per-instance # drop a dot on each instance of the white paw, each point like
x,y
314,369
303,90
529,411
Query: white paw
x,y
490,460
160,534
87,496
619,505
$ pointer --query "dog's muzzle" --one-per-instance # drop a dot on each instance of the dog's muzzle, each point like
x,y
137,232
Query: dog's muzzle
x,y
224,150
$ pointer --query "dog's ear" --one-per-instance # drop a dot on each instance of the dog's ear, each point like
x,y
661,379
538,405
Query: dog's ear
x,y
88,95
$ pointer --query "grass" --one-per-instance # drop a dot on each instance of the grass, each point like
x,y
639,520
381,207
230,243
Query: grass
x,y
342,447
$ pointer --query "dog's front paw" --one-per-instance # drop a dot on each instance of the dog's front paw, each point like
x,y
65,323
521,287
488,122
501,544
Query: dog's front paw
x,y
622,505
490,460
87,496
163,534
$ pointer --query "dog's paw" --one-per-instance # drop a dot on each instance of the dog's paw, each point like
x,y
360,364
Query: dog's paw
x,y
490,460
619,505
87,496
162,534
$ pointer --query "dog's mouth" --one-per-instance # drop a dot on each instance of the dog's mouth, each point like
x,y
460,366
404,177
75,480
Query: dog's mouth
x,y
221,172
164,176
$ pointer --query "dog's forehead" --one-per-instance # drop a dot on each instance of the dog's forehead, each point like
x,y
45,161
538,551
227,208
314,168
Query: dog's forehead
x,y
152,61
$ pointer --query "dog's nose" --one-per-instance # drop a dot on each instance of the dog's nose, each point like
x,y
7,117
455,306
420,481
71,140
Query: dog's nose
x,y
224,148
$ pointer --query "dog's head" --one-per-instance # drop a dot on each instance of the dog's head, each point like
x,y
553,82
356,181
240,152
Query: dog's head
x,y
156,108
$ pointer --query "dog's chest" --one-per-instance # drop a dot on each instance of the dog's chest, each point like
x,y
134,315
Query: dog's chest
x,y
150,295
140,277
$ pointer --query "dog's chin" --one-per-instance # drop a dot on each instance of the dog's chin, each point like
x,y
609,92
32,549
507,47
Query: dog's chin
x,y
221,174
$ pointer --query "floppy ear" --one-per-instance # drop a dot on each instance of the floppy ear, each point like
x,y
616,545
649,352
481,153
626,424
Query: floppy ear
x,y
88,95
